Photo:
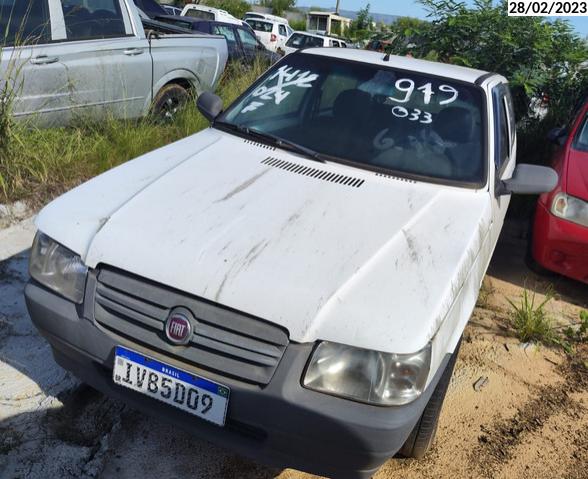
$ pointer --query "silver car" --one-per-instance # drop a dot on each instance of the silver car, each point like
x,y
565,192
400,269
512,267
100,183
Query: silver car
x,y
61,59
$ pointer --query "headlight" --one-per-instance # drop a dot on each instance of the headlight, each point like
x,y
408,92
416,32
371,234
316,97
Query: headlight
x,y
368,376
570,208
58,268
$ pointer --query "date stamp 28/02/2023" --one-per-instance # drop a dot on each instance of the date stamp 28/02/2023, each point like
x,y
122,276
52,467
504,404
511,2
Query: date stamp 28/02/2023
x,y
567,8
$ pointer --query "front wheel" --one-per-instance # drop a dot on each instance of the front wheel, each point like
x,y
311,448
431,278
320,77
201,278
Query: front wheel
x,y
169,101
423,435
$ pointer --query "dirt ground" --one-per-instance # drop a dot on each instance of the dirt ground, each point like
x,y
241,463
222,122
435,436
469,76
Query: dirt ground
x,y
529,420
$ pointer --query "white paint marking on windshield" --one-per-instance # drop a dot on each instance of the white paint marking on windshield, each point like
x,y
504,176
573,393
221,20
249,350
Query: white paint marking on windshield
x,y
407,86
286,78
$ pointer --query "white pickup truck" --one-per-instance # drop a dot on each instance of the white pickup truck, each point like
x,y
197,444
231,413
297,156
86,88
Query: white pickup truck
x,y
66,59
294,281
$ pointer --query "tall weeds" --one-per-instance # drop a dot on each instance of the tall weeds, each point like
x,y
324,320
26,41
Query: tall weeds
x,y
37,164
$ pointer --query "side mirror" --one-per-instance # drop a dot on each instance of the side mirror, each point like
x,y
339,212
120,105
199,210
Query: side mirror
x,y
557,136
529,180
210,105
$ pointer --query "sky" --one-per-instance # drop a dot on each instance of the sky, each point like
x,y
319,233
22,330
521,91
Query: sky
x,y
410,8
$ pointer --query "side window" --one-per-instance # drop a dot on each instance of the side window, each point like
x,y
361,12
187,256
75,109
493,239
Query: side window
x,y
501,138
88,19
289,31
24,22
229,34
512,122
248,40
282,30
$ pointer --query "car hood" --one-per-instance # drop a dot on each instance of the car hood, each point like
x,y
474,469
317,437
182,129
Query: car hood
x,y
327,251
577,175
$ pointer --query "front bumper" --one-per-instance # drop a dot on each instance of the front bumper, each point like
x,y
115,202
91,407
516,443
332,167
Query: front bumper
x,y
560,245
281,424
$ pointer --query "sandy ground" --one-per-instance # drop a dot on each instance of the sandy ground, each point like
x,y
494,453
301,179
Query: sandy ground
x,y
530,419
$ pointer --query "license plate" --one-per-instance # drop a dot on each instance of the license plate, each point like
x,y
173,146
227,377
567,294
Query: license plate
x,y
188,392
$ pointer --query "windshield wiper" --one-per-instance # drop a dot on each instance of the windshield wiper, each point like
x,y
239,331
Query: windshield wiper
x,y
275,141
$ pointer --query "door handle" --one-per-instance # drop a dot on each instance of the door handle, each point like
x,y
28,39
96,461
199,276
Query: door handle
x,y
133,51
44,60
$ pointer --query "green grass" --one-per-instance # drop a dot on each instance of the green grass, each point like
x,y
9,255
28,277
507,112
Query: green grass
x,y
530,320
38,164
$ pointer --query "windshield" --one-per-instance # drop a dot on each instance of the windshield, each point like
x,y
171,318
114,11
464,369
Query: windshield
x,y
194,13
380,118
299,40
150,7
260,26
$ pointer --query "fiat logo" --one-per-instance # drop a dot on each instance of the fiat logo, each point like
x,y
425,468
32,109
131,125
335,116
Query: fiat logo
x,y
178,328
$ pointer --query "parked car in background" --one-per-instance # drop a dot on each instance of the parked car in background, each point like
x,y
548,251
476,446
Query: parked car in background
x,y
171,10
293,282
265,16
273,35
96,60
379,45
243,45
560,231
205,12
300,40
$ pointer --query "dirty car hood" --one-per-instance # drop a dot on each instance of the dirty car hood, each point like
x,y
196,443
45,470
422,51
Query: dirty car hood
x,y
359,258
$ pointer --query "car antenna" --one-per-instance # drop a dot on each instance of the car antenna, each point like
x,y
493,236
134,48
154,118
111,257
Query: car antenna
x,y
387,57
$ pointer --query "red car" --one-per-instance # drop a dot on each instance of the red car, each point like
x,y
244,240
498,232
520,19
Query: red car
x,y
560,231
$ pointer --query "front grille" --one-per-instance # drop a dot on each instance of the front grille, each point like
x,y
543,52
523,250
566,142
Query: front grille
x,y
224,341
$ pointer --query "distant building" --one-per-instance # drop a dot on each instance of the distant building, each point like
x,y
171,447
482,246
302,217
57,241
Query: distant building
x,y
327,22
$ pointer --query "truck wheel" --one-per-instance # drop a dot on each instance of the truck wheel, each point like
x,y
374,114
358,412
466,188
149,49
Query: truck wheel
x,y
169,101
423,435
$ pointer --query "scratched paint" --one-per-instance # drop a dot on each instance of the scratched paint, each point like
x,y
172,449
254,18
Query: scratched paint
x,y
389,266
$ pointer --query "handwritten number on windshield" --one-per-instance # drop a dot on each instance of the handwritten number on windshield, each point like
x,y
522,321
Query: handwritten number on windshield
x,y
408,89
423,117
407,86
448,89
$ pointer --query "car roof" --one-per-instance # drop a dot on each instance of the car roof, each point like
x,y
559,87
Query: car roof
x,y
265,20
469,75
315,35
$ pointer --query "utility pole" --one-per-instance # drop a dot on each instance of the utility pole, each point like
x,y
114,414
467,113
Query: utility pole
x,y
337,8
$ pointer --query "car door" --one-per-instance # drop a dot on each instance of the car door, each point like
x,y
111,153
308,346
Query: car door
x,y
108,64
504,152
251,45
235,49
32,80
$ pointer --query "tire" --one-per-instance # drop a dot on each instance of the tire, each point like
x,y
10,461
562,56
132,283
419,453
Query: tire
x,y
169,101
423,435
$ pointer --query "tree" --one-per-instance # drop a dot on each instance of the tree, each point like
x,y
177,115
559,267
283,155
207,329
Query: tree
x,y
538,57
364,19
535,54
237,8
361,27
279,6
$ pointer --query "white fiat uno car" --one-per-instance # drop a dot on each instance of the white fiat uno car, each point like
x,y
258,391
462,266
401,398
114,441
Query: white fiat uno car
x,y
294,281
